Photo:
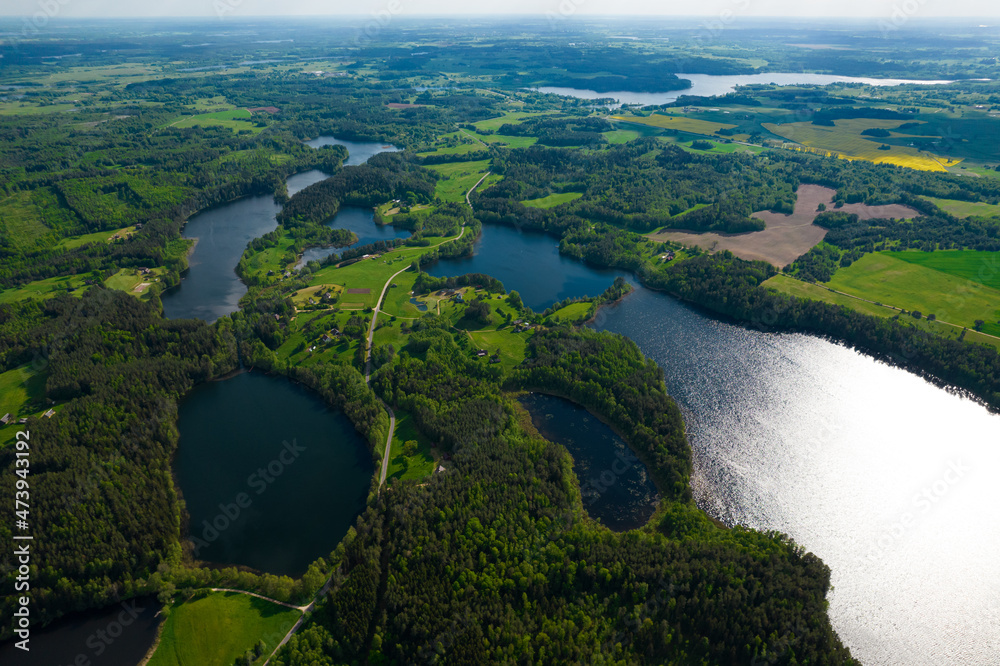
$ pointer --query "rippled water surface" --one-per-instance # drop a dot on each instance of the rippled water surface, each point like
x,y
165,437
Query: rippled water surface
x,y
888,478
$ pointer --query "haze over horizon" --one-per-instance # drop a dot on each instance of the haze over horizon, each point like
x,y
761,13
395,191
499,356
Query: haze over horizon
x,y
873,9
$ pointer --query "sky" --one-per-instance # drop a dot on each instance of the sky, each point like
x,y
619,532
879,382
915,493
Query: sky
x,y
711,8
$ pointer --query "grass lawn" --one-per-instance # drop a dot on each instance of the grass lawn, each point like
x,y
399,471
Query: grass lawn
x,y
416,466
216,629
461,176
887,278
553,200
571,313
966,208
19,387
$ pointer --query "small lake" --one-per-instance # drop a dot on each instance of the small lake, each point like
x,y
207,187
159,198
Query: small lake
x,y
301,181
710,85
127,631
358,152
616,487
529,262
271,476
362,222
210,288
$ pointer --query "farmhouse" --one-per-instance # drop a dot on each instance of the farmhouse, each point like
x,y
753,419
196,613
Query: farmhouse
x,y
6,418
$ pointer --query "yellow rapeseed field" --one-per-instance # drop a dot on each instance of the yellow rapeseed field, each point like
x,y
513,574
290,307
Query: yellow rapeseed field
x,y
845,140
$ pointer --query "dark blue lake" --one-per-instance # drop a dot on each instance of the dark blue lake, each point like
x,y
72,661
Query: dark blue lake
x,y
271,476
362,222
529,262
616,487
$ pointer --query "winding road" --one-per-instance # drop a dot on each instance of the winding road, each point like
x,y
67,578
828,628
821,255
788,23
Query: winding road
x,y
306,610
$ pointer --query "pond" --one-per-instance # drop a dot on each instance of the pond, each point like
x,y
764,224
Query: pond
x,y
528,262
710,85
616,486
271,476
119,634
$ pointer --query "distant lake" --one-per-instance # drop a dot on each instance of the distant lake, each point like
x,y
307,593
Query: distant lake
x,y
302,468
529,262
358,152
616,486
710,85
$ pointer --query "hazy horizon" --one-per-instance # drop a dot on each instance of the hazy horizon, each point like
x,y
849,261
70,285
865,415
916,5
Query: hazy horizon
x,y
777,9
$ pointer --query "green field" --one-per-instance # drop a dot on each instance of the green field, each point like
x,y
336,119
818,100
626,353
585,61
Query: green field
x,y
98,237
816,292
888,278
980,267
19,388
553,200
571,313
218,628
509,118
416,466
234,119
44,288
461,176
620,136
966,208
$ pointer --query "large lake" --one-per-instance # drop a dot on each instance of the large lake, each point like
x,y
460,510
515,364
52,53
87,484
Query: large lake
x,y
271,476
884,475
709,85
888,478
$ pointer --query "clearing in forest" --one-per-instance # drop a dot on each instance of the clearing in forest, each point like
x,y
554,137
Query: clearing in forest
x,y
786,237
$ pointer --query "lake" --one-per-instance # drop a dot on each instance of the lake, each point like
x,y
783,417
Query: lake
x,y
271,476
362,222
358,152
710,85
210,288
879,472
119,634
616,486
528,262
885,476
